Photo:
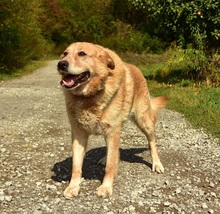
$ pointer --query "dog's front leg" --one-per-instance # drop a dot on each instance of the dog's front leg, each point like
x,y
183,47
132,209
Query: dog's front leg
x,y
78,151
112,158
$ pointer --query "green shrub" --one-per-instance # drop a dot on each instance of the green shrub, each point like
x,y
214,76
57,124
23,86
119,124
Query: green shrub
x,y
186,66
126,39
20,35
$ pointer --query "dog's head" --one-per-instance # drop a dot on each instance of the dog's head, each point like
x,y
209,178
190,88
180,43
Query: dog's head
x,y
84,68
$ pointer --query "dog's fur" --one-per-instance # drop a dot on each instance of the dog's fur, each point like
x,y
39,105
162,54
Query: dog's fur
x,y
110,92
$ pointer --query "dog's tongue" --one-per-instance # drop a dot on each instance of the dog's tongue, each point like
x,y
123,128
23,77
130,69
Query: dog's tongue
x,y
67,81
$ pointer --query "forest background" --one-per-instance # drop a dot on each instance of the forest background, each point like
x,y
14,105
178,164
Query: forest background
x,y
174,42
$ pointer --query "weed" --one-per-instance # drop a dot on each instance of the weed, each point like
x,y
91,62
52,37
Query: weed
x,y
20,72
200,103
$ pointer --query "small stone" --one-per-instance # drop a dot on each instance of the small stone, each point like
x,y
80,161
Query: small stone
x,y
37,212
204,206
2,198
26,139
34,146
57,200
140,203
210,211
8,183
134,194
211,184
8,198
131,208
45,199
152,210
155,193
178,190
51,187
175,206
166,204
39,183
105,207
3,150
172,174
213,194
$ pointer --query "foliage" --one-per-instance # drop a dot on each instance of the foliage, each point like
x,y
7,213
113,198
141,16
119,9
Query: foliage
x,y
190,22
195,26
184,67
20,37
31,29
200,105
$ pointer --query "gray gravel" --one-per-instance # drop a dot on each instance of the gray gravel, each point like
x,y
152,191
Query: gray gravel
x,y
35,157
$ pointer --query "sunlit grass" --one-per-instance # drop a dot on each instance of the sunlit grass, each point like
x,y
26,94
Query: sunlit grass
x,y
24,71
199,103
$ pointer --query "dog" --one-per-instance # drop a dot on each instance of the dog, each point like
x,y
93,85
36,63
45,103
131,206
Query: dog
x,y
101,92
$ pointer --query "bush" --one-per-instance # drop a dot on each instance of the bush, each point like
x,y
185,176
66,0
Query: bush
x,y
20,34
190,65
126,39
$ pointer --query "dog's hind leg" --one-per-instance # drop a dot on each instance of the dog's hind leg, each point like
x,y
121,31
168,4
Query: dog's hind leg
x,y
146,122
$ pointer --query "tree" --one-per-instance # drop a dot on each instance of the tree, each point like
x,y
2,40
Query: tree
x,y
188,22
195,26
20,34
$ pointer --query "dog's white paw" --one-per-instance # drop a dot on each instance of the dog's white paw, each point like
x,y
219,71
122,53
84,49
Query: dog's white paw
x,y
104,191
71,191
158,167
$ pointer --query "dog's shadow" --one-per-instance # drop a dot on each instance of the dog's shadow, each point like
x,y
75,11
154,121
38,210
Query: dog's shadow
x,y
91,167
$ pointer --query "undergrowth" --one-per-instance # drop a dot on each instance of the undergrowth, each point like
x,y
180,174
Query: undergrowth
x,y
33,65
197,98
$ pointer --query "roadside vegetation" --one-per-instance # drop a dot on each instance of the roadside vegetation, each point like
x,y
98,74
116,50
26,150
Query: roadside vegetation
x,y
176,44
199,102
27,69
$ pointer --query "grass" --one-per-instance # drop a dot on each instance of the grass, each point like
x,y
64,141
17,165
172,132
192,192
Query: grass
x,y
24,71
199,103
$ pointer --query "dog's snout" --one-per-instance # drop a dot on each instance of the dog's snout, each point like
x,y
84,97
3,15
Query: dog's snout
x,y
63,65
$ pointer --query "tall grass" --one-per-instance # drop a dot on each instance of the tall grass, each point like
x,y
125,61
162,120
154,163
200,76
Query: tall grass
x,y
199,102
200,105
32,66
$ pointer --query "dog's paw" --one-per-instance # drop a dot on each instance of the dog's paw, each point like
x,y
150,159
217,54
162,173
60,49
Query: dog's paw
x,y
102,161
104,191
71,191
158,167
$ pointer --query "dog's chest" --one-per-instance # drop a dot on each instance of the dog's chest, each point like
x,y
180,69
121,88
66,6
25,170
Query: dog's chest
x,y
91,120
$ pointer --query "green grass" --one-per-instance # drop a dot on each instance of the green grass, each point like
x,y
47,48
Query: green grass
x,y
24,71
199,103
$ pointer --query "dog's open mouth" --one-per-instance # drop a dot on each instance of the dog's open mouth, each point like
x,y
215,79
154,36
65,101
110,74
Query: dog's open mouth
x,y
71,80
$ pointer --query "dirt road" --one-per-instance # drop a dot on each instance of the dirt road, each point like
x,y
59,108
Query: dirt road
x,y
35,158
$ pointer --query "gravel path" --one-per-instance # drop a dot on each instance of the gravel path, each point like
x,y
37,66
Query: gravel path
x,y
35,157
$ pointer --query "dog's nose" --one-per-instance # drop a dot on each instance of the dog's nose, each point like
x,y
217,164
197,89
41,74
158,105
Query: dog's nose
x,y
63,65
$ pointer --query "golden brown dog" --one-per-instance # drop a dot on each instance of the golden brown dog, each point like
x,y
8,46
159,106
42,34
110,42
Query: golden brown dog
x,y
101,92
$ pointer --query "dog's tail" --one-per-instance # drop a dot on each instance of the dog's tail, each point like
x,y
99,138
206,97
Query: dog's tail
x,y
158,103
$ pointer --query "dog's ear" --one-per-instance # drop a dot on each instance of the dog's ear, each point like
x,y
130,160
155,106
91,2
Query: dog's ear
x,y
104,57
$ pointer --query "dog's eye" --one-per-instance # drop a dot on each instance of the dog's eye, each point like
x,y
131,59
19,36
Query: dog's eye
x,y
81,53
65,53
